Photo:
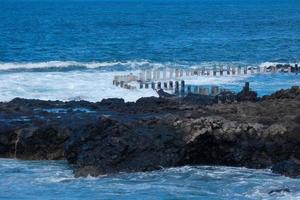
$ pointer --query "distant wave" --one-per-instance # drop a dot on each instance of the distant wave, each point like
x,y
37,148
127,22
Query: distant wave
x,y
114,65
71,65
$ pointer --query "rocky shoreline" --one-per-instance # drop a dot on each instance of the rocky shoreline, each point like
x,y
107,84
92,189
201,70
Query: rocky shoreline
x,y
112,136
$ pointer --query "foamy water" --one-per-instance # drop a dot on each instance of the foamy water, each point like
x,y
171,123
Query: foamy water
x,y
54,180
93,82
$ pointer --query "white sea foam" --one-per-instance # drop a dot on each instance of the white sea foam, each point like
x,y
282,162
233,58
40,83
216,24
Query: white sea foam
x,y
134,64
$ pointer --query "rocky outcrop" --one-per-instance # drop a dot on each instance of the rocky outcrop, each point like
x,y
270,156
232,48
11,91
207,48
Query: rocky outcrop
x,y
113,136
289,168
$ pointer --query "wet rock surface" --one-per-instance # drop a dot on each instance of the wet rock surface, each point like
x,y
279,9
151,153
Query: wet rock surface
x,y
113,136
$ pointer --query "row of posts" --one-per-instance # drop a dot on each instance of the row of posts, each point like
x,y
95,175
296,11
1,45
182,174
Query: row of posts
x,y
181,88
164,74
123,84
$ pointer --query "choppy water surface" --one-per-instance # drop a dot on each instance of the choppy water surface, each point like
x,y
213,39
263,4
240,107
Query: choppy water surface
x,y
54,180
70,49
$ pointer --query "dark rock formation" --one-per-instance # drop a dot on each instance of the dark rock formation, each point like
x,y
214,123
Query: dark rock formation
x,y
289,168
246,94
113,136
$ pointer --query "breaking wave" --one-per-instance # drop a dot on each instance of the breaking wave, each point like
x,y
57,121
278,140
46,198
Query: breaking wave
x,y
74,65
112,65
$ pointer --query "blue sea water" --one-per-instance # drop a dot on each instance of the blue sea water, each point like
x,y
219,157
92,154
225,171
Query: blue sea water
x,y
54,180
71,49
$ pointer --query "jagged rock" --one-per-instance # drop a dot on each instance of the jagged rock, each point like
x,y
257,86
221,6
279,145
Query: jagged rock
x,y
113,136
289,168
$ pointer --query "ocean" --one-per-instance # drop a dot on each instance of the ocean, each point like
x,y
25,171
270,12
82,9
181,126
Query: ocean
x,y
71,49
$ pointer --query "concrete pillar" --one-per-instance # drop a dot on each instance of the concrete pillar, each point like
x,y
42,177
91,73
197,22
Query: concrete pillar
x,y
171,85
171,73
215,90
165,85
153,85
187,73
176,73
159,85
245,70
181,73
264,69
214,70
228,70
164,74
158,74
148,75
233,70
258,69
176,87
188,89
182,85
221,71
239,70
196,89
205,91
203,71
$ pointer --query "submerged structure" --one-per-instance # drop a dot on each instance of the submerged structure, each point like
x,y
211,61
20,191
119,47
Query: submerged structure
x,y
175,81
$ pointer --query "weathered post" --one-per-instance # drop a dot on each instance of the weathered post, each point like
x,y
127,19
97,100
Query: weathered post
x,y
165,85
215,90
159,85
245,70
146,85
239,70
148,75
181,73
122,84
205,91
196,89
296,68
171,73
203,71
221,70
141,85
208,72
228,70
214,71
188,89
153,85
164,73
158,74
187,72
233,70
176,73
171,85
200,90
176,87
182,87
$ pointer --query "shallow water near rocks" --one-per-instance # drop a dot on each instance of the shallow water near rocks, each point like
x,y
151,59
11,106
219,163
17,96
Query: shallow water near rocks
x,y
54,180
